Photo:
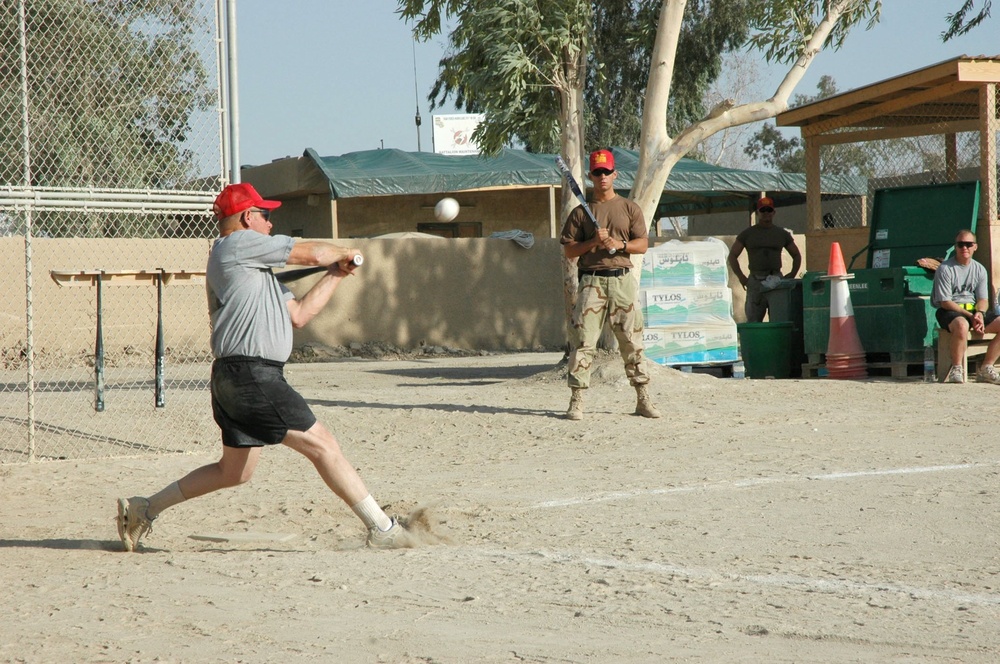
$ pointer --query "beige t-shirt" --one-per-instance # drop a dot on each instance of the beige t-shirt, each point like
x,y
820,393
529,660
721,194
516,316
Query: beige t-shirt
x,y
624,221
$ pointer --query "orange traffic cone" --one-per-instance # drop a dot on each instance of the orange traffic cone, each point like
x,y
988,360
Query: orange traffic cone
x,y
845,357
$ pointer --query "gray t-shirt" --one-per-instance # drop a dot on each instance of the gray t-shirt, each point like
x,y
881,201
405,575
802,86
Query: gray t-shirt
x,y
961,284
245,301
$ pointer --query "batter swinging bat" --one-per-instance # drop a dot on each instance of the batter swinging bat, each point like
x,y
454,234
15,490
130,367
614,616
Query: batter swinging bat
x,y
575,188
294,275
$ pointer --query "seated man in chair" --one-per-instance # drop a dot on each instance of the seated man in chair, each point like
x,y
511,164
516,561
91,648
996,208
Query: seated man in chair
x,y
961,296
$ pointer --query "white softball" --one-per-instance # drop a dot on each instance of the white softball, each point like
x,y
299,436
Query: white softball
x,y
446,209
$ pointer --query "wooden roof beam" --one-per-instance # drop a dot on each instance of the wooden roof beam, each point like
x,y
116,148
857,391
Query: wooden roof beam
x,y
886,108
881,133
927,77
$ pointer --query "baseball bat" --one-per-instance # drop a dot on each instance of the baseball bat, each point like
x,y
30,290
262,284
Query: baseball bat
x,y
158,382
295,275
575,188
99,351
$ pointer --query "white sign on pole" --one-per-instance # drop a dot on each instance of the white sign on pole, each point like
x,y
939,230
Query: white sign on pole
x,y
453,133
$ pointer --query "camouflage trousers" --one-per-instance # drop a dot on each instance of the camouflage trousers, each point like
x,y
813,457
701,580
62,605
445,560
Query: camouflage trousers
x,y
611,299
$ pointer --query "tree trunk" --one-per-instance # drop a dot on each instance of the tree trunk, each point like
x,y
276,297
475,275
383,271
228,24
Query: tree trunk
x,y
659,152
571,120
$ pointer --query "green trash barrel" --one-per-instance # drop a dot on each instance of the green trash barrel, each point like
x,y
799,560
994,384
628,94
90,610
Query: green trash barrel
x,y
766,349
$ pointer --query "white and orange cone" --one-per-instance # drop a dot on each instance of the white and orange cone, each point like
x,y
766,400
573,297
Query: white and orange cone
x,y
845,357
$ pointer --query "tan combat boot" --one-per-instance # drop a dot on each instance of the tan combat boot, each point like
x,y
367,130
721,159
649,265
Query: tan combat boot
x,y
575,410
644,404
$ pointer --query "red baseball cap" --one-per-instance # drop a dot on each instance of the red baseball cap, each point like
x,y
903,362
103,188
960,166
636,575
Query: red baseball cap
x,y
236,198
602,159
765,201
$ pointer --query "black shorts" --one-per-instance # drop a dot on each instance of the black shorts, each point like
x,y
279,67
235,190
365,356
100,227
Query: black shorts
x,y
945,316
253,404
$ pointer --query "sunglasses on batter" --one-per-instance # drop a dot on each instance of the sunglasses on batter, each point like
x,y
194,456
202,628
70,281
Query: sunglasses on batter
x,y
266,214
598,172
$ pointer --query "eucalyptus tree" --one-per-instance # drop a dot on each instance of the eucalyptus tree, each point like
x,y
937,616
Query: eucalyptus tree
x,y
965,18
531,67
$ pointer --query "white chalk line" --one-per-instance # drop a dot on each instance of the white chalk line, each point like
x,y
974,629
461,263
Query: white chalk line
x,y
753,482
786,581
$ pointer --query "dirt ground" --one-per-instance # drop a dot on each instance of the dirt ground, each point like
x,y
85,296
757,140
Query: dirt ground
x,y
757,521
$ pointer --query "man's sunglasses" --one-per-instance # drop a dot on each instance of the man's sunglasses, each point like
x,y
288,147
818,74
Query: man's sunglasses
x,y
597,172
964,245
266,214
766,209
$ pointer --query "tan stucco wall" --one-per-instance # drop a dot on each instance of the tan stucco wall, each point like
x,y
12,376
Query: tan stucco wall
x,y
480,294
64,317
475,294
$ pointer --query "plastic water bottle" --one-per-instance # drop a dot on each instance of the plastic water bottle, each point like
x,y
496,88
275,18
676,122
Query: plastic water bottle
x,y
738,369
930,374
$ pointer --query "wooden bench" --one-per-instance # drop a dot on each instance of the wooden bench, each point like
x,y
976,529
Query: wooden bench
x,y
974,352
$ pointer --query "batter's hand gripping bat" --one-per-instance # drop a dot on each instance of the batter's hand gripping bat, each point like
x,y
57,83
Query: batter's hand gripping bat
x,y
294,275
575,188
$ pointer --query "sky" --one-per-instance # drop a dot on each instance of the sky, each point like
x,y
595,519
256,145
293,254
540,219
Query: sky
x,y
342,76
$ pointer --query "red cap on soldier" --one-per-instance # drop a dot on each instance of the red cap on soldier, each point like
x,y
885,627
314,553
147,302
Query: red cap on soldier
x,y
602,159
236,198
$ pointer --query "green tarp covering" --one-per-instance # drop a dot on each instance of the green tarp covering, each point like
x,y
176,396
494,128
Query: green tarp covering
x,y
693,187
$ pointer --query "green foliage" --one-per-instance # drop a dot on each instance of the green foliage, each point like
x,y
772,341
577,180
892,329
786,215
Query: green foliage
x,y
963,20
507,58
782,28
620,62
111,89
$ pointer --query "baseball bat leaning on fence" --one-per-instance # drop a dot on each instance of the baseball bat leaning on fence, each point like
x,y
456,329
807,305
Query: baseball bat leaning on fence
x,y
158,382
99,350
575,188
294,275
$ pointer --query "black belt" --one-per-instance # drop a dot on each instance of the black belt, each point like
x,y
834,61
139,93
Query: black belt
x,y
238,359
620,272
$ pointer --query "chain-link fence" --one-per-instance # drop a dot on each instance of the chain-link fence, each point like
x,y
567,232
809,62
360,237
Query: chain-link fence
x,y
942,155
110,156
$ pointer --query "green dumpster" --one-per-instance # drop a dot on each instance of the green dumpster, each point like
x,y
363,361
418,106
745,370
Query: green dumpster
x,y
766,349
890,295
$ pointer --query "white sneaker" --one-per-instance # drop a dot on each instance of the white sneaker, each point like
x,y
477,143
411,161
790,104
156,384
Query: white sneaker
x,y
988,374
132,521
396,537
956,375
